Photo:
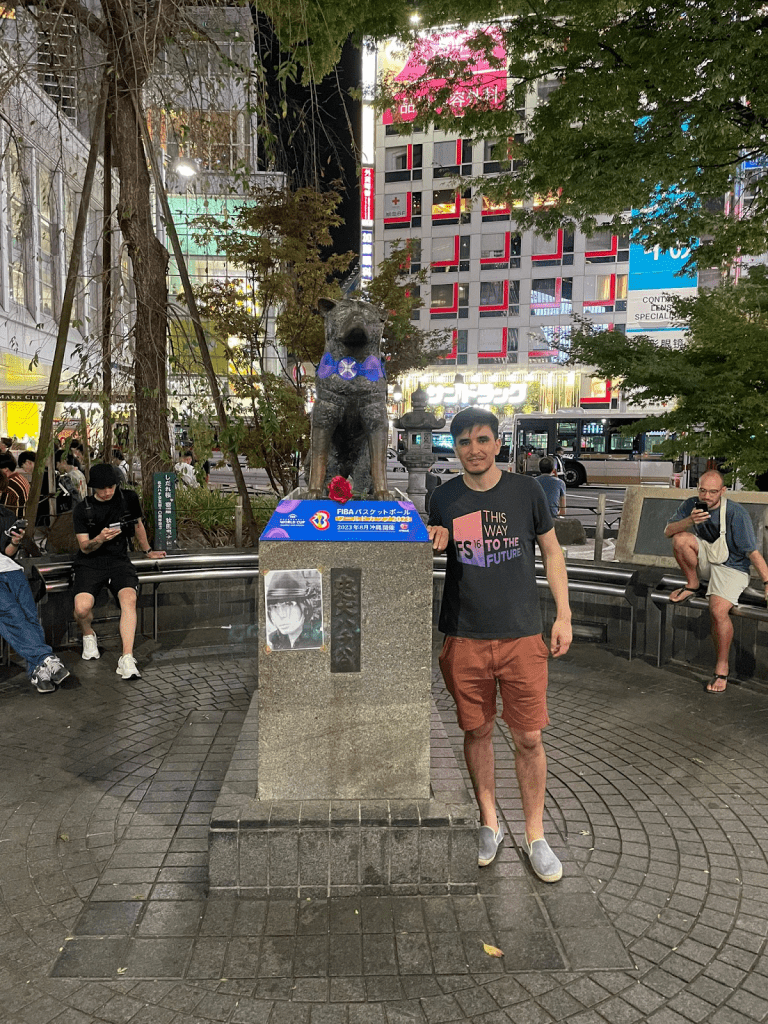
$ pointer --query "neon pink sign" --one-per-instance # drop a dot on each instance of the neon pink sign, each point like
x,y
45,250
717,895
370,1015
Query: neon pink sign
x,y
483,82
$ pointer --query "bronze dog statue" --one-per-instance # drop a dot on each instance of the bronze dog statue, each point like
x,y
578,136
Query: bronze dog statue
x,y
349,418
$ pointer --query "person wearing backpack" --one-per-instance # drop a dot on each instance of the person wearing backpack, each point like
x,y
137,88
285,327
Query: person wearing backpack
x,y
103,526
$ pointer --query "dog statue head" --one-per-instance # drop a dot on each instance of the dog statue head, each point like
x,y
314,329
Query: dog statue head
x,y
353,327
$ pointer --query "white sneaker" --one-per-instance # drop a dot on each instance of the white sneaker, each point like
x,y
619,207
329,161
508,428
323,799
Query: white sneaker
x,y
90,647
127,667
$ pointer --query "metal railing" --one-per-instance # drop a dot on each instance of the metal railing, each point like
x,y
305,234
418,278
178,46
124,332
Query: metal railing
x,y
194,567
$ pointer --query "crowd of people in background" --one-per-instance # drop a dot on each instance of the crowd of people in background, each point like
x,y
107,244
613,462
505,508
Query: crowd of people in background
x,y
70,484
104,525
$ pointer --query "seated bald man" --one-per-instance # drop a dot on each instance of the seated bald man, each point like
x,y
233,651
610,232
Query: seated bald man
x,y
694,530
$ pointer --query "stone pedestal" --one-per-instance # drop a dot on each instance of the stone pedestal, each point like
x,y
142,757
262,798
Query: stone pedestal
x,y
350,726
329,789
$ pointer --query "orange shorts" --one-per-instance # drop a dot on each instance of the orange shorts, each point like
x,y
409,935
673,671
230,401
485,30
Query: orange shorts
x,y
472,668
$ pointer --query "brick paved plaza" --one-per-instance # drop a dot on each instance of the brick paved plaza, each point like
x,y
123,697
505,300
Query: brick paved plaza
x,y
658,806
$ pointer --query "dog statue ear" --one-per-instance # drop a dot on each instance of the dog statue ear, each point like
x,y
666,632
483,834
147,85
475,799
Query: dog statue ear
x,y
326,305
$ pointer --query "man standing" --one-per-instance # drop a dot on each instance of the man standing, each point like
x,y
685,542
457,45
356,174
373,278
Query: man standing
x,y
71,479
489,522
185,472
27,465
103,525
16,490
689,527
552,485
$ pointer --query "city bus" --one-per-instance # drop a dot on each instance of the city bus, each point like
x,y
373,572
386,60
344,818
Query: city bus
x,y
595,451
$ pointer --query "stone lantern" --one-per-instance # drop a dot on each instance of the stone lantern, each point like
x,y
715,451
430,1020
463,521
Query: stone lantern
x,y
417,426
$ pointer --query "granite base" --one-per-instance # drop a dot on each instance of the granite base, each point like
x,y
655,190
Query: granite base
x,y
319,848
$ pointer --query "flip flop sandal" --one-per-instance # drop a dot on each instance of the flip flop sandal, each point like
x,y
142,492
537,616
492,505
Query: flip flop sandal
x,y
708,687
690,591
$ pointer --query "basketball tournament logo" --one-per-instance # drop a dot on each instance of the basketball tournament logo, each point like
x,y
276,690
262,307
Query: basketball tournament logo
x,y
320,520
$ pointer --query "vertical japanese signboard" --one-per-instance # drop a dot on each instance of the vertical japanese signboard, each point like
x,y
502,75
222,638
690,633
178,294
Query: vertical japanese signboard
x,y
164,486
367,192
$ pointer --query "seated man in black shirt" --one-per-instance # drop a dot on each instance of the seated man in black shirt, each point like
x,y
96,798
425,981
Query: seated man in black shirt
x,y
103,525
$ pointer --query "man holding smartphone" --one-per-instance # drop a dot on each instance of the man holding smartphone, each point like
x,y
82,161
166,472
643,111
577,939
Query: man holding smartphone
x,y
103,525
697,520
19,624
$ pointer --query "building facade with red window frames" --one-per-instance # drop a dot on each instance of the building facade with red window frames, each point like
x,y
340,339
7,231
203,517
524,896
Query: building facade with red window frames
x,y
507,296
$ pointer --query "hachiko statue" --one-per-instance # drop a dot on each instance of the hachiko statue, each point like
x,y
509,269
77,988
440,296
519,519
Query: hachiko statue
x,y
349,417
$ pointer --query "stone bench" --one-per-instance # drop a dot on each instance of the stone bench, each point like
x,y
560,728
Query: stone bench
x,y
751,605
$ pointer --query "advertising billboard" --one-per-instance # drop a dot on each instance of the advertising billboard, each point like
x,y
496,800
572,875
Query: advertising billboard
x,y
653,284
483,81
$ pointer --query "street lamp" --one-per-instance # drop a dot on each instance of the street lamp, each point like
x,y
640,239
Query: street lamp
x,y
186,167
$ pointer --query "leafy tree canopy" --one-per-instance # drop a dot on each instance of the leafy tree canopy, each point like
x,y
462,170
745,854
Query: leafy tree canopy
x,y
278,242
718,379
653,108
405,346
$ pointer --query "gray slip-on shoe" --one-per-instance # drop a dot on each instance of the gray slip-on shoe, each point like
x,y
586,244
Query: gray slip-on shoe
x,y
488,843
545,864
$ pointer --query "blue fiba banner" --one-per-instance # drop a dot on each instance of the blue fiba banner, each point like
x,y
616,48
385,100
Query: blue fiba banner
x,y
353,520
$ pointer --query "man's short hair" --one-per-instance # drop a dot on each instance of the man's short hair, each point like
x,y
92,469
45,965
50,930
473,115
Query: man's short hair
x,y
117,454
6,441
26,457
7,461
189,455
546,465
103,475
467,419
62,456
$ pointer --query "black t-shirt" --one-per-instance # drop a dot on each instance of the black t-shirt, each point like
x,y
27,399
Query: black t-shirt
x,y
122,505
490,588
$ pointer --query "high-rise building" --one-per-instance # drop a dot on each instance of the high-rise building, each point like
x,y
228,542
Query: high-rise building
x,y
202,122
506,296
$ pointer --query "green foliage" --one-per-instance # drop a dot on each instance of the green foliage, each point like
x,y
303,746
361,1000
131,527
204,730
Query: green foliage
x,y
718,380
280,239
656,107
212,514
275,434
404,345
202,436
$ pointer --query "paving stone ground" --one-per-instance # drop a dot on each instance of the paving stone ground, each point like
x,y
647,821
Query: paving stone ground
x,y
658,804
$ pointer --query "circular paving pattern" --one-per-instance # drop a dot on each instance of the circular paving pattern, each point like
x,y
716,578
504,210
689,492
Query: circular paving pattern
x,y
657,804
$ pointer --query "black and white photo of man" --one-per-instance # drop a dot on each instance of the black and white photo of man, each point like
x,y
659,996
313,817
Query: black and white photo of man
x,y
294,609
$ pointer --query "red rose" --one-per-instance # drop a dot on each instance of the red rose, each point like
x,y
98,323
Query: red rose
x,y
339,489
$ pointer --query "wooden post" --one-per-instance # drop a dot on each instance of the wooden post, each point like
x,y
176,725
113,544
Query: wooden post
x,y
599,528
51,490
84,439
239,522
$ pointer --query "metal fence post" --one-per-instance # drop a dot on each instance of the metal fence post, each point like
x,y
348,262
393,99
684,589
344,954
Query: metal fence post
x,y
599,528
239,521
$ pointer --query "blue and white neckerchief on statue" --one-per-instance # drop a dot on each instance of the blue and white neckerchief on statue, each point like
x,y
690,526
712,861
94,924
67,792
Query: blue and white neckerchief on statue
x,y
348,368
